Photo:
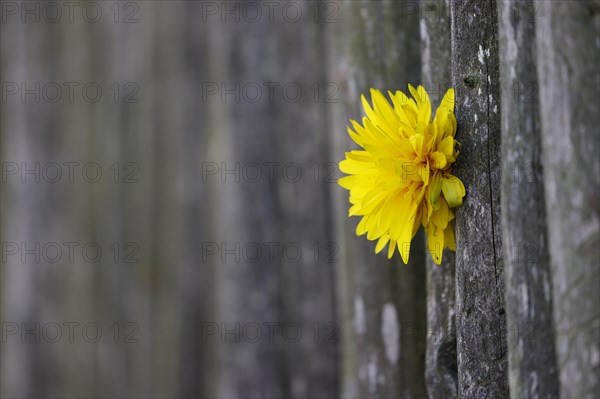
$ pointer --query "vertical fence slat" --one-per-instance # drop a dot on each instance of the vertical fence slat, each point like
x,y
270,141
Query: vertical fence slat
x,y
440,360
378,44
305,211
568,54
168,195
249,292
480,320
289,211
530,337
197,374
110,277
137,47
534,156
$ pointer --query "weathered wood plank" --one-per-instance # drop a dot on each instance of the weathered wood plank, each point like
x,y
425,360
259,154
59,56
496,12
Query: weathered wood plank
x,y
125,54
480,321
440,360
376,45
287,209
248,292
39,293
21,367
308,283
530,336
197,371
568,54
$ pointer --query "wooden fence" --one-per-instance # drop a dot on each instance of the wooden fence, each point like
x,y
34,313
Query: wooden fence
x,y
171,224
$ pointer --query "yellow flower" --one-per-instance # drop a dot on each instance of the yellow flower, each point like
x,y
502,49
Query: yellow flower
x,y
402,177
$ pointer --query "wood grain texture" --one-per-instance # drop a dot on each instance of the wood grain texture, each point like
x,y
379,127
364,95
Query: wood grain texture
x,y
480,319
517,306
440,360
289,208
376,45
530,336
569,101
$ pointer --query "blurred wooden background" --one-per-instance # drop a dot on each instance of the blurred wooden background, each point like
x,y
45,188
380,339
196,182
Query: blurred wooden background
x,y
217,134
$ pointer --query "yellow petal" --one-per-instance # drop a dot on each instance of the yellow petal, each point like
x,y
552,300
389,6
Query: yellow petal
x,y
435,241
423,103
416,224
377,118
349,182
386,214
424,173
404,241
407,170
355,137
435,189
448,100
446,146
374,231
361,156
414,93
372,200
354,210
383,106
438,160
397,208
417,143
352,167
361,228
440,217
449,238
453,189
399,100
381,243
391,249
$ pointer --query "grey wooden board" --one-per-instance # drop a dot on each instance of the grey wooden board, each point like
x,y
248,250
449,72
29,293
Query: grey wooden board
x,y
480,318
530,336
376,45
569,100
373,316
441,367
